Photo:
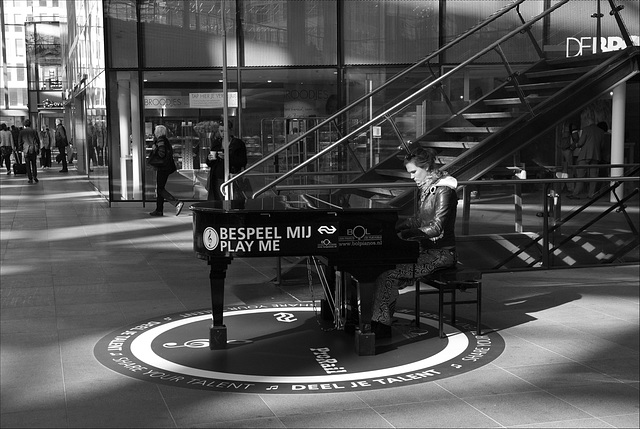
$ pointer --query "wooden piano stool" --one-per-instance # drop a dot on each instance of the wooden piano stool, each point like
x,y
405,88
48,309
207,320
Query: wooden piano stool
x,y
451,280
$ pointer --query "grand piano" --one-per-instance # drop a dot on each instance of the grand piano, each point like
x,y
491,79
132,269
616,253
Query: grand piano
x,y
360,242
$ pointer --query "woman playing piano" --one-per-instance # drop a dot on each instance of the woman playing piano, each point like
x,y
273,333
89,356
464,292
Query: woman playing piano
x,y
433,226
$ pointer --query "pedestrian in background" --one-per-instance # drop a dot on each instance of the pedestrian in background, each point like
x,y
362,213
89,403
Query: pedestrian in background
x,y
15,132
47,139
215,160
590,152
6,146
568,139
162,147
61,143
29,142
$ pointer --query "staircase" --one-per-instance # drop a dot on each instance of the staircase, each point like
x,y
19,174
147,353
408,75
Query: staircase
x,y
482,137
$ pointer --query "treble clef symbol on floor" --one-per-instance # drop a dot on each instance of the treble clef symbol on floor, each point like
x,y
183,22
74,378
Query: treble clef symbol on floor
x,y
191,344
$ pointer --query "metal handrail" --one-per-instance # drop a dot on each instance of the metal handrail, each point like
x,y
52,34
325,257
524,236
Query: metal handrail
x,y
461,183
225,185
396,106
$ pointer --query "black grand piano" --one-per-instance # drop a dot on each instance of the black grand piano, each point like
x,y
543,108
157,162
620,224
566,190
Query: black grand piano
x,y
360,242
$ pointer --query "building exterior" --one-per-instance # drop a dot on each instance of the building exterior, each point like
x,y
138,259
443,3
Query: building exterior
x,y
31,80
130,65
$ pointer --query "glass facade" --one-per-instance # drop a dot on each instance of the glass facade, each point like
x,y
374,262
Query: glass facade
x,y
86,98
31,78
289,33
44,73
398,32
290,64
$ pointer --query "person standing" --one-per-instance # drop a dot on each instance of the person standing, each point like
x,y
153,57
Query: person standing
x,y
61,143
568,139
162,146
590,151
29,142
6,146
215,161
45,152
15,132
92,145
433,226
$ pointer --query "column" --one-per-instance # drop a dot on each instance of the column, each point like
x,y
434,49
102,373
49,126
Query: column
x,y
617,134
138,147
124,115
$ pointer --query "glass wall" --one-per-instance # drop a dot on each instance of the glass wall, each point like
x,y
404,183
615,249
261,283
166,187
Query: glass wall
x,y
463,15
289,33
187,34
186,102
121,22
275,103
382,32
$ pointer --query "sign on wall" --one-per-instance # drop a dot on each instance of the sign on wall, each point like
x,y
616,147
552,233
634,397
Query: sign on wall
x,y
212,100
584,45
195,100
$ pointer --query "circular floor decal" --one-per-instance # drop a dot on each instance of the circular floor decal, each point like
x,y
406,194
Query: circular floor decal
x,y
281,348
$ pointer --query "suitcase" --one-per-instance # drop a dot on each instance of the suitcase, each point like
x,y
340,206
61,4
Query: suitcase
x,y
19,168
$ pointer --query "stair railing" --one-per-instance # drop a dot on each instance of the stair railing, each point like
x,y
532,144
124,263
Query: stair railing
x,y
382,116
546,239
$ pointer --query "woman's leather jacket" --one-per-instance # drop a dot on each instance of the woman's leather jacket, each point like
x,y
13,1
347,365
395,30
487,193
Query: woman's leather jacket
x,y
434,224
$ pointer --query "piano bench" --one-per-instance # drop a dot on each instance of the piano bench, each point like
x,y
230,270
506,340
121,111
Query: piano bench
x,y
450,280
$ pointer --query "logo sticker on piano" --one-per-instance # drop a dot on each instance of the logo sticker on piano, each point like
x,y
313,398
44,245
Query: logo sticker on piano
x,y
210,238
280,348
360,236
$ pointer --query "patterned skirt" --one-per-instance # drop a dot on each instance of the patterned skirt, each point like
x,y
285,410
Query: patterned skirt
x,y
389,282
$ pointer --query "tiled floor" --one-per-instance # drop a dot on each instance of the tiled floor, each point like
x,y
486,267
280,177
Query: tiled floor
x,y
74,269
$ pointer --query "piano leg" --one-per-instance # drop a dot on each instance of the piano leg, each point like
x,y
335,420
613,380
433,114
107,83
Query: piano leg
x,y
365,339
218,331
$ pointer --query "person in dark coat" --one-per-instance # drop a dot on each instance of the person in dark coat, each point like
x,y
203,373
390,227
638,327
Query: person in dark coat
x,y
61,143
590,146
29,142
165,151
215,161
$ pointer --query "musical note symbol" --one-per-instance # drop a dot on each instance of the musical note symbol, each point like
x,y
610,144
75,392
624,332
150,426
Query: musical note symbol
x,y
285,317
192,344
272,388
